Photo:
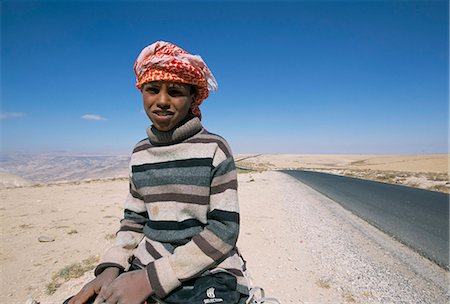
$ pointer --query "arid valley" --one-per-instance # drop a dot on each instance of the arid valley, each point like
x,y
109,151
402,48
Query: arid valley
x,y
60,213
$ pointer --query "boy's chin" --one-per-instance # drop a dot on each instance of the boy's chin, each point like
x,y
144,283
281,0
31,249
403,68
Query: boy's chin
x,y
162,128
169,125
162,125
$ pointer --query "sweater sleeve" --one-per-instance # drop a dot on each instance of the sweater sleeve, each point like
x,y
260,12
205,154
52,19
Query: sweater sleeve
x,y
214,243
129,235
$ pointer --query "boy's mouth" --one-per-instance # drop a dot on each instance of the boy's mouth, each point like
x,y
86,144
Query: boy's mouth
x,y
163,116
163,113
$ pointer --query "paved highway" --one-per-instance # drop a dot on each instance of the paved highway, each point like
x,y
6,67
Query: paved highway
x,y
417,218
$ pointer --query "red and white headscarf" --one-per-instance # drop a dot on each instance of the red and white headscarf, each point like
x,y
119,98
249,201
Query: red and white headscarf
x,y
163,61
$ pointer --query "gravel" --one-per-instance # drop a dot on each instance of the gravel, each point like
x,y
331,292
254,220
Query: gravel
x,y
356,259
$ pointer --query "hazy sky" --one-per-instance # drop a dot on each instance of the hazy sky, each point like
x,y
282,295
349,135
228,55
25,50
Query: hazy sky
x,y
294,77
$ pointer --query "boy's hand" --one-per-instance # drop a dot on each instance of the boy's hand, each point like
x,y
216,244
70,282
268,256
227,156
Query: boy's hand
x,y
96,285
129,288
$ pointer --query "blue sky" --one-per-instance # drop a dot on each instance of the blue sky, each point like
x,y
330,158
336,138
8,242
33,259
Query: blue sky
x,y
294,77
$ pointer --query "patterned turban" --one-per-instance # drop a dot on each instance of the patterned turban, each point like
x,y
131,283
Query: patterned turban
x,y
163,61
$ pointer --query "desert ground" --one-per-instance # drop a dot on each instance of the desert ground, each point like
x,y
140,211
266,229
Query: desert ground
x,y
420,171
300,246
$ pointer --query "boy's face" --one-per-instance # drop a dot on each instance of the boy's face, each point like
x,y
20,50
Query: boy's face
x,y
166,103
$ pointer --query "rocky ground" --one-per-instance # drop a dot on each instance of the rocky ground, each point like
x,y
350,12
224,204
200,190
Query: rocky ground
x,y
300,246
428,172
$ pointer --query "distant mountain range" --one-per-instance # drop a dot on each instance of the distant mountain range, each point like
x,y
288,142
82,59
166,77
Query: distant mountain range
x,y
22,168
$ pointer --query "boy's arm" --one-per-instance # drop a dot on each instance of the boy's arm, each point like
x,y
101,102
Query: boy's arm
x,y
213,244
129,235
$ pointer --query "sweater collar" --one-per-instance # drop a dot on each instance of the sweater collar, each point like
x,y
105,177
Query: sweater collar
x,y
176,135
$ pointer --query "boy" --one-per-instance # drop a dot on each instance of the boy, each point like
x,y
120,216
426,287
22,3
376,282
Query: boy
x,y
177,240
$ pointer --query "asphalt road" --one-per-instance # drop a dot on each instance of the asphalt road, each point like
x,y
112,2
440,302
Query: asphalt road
x,y
417,218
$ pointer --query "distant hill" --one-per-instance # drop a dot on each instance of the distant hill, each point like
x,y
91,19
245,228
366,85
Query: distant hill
x,y
8,180
44,168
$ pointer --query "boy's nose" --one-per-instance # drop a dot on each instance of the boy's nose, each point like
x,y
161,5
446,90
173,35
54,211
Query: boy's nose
x,y
163,100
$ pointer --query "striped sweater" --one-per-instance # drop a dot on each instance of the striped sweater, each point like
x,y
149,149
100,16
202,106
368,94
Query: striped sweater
x,y
181,216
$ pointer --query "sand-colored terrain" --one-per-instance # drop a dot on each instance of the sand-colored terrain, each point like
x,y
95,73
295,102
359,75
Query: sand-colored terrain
x,y
421,171
300,246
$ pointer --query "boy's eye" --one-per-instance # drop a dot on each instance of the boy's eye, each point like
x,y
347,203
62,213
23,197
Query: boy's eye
x,y
152,90
176,92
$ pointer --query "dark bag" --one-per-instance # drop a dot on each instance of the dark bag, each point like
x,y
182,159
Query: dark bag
x,y
210,289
